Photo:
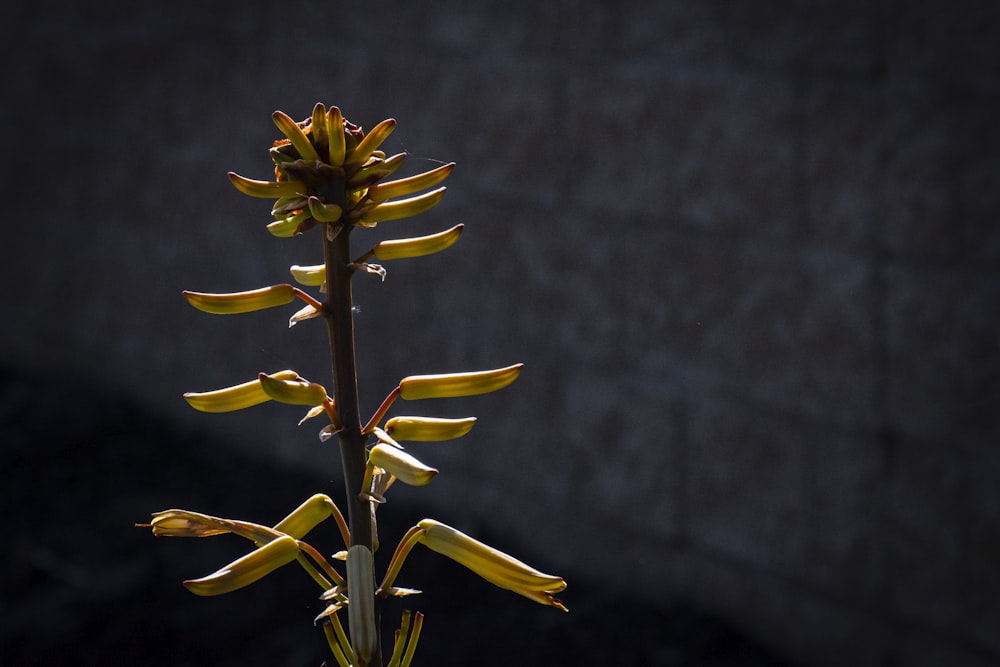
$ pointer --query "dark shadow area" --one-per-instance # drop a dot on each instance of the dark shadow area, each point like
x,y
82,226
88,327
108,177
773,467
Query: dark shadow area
x,y
81,586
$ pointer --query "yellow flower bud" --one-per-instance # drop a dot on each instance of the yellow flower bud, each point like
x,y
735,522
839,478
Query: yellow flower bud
x,y
267,189
317,126
428,429
335,136
451,385
236,397
371,141
295,391
295,135
242,302
307,516
495,566
406,186
403,208
406,468
418,246
248,569
182,523
310,276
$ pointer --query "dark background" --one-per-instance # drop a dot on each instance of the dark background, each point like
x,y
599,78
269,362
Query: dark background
x,y
748,253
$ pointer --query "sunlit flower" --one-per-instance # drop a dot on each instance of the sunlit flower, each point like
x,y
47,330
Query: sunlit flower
x,y
495,566
328,170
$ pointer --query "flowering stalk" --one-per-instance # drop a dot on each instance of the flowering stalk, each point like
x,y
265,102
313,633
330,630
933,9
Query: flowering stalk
x,y
330,174
339,315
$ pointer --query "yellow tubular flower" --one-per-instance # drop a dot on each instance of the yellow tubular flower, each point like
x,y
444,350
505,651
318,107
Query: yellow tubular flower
x,y
307,516
236,397
267,189
248,569
335,136
407,186
451,385
318,126
406,468
418,246
372,140
428,429
241,302
295,135
310,276
182,523
403,208
295,391
495,566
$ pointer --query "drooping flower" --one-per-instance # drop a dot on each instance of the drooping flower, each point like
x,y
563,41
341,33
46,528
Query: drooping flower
x,y
495,566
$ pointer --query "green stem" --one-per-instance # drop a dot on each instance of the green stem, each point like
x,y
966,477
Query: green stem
x,y
339,312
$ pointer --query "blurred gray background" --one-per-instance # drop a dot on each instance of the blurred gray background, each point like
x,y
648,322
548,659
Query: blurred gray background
x,y
748,252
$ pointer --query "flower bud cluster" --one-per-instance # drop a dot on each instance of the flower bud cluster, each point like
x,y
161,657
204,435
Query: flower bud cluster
x,y
323,152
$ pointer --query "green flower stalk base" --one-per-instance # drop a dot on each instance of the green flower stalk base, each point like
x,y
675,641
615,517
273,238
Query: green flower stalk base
x,y
331,175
